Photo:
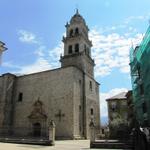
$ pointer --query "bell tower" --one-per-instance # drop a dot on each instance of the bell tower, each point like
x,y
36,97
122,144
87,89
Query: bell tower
x,y
77,46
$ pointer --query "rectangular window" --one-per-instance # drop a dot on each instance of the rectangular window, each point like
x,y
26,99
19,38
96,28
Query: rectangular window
x,y
141,89
92,112
70,49
80,82
77,48
20,97
103,131
113,106
71,33
90,86
76,31
79,108
144,107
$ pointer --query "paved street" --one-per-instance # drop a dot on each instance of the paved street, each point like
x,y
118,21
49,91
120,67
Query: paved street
x,y
60,145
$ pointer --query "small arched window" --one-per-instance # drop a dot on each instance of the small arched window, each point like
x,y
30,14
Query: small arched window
x,y
77,48
76,31
71,32
70,49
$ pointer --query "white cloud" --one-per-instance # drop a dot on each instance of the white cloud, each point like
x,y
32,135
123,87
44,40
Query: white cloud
x,y
111,51
27,37
45,59
137,18
127,25
40,64
104,96
55,54
9,64
40,51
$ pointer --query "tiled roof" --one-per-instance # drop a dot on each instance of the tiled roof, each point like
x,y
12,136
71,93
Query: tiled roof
x,y
121,95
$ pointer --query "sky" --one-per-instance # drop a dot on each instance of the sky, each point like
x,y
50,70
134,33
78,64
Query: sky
x,y
32,31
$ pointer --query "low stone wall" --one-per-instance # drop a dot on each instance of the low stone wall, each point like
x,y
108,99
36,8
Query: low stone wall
x,y
22,132
46,136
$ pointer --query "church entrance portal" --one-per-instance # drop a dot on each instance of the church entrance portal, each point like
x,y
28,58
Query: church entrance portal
x,y
36,129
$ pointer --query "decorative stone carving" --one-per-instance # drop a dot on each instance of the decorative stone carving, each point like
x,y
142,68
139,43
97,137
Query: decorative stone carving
x,y
38,113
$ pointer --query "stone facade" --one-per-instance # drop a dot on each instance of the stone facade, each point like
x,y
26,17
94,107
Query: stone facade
x,y
68,95
118,115
117,107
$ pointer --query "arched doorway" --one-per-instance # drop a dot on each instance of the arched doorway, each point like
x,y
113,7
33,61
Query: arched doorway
x,y
38,118
36,129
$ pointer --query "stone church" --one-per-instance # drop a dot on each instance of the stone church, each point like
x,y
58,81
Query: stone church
x,y
68,95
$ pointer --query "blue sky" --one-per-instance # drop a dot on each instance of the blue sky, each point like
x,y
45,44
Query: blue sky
x,y
33,30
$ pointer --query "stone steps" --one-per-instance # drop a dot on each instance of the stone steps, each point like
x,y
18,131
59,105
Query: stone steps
x,y
111,145
26,141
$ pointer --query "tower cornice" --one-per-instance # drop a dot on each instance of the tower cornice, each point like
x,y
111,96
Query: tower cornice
x,y
79,36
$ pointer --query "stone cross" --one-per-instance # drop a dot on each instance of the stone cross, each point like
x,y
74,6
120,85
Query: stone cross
x,y
60,115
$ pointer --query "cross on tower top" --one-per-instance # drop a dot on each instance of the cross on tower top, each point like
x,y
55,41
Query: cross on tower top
x,y
77,11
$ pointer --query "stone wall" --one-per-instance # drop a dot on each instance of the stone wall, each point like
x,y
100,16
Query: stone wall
x,y
1,106
78,103
92,102
80,60
55,90
7,85
62,95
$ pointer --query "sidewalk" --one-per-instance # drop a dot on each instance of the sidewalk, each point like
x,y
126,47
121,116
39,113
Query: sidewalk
x,y
59,145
